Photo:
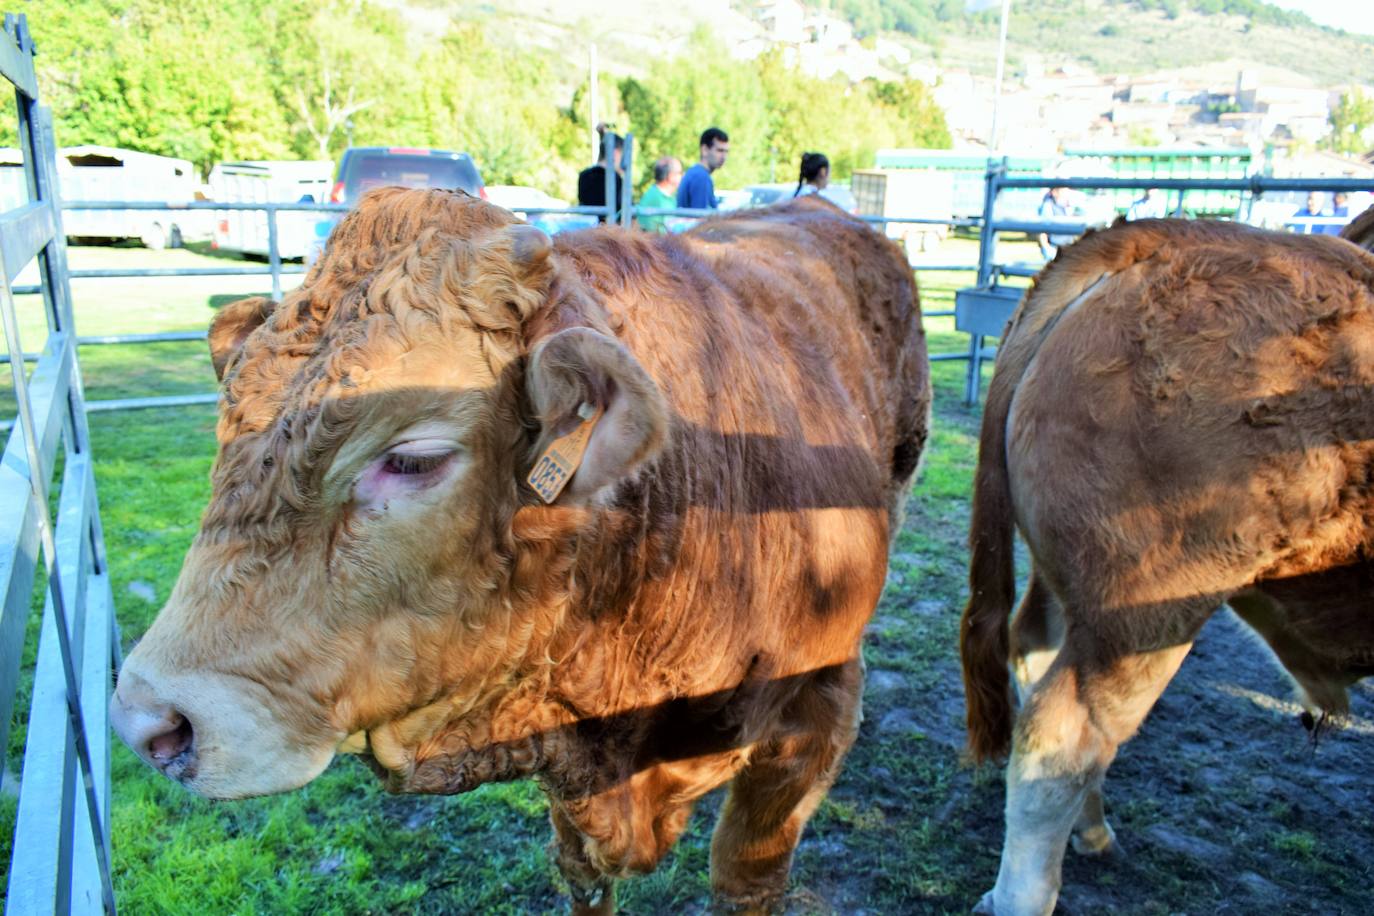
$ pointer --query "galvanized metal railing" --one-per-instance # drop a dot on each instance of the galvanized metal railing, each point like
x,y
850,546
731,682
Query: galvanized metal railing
x,y
982,311
61,859
622,211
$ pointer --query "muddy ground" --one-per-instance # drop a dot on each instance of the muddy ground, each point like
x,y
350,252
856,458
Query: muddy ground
x,y
1222,803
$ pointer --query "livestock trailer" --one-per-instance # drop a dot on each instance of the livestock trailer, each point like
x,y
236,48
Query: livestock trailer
x,y
109,173
963,171
268,181
911,193
1161,162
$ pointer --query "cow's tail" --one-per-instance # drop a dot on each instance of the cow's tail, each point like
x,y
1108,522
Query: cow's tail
x,y
983,633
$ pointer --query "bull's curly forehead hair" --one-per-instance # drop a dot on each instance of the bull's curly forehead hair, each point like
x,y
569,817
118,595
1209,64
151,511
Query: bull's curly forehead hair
x,y
405,265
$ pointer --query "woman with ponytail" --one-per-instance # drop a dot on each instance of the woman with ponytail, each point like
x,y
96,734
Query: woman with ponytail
x,y
815,174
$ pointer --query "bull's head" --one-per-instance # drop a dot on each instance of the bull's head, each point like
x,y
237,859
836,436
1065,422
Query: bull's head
x,y
371,554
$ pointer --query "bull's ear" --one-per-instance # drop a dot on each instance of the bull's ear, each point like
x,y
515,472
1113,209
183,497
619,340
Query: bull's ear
x,y
232,326
579,367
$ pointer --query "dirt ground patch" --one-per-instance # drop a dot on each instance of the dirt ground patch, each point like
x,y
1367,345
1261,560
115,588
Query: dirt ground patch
x,y
1222,803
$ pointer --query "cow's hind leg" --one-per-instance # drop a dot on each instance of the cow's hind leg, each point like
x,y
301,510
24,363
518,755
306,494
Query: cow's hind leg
x,y
1067,734
771,799
1037,632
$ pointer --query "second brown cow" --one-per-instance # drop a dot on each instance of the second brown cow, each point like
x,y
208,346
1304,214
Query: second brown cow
x,y
1182,416
373,572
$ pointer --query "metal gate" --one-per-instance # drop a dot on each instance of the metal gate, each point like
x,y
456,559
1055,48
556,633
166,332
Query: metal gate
x,y
61,860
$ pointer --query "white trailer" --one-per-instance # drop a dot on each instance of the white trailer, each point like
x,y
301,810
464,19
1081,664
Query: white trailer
x,y
910,193
109,173
264,181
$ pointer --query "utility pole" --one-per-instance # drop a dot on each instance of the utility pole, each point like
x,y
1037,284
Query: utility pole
x,y
596,139
1001,67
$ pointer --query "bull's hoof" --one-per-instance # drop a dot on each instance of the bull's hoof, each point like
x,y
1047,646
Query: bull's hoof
x,y
597,900
1098,841
985,907
753,905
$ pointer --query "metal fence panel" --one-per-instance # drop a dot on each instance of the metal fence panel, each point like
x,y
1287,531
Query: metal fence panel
x,y
97,675
19,523
16,63
23,233
41,868
61,853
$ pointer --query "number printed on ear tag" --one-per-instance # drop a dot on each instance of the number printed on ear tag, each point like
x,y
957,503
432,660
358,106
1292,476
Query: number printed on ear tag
x,y
560,460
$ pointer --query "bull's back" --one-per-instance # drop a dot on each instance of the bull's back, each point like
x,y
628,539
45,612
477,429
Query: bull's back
x,y
839,302
790,352
1212,394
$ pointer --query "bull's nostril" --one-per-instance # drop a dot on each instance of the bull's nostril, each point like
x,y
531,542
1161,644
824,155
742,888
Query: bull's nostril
x,y
171,744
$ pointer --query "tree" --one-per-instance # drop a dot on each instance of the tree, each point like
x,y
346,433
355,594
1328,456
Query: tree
x,y
151,76
332,61
1351,122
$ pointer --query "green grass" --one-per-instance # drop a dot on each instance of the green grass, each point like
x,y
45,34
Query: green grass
x,y
341,845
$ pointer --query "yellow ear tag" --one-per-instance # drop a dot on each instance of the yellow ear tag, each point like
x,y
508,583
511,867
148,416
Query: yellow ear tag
x,y
560,460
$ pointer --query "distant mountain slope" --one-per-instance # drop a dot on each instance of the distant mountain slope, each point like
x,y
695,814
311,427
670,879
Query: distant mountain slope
x,y
1109,36
1126,36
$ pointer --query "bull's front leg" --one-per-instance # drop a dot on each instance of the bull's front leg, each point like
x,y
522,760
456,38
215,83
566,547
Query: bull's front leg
x,y
591,889
620,832
772,798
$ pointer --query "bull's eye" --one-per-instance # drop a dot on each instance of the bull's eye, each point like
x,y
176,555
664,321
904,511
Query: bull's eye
x,y
412,465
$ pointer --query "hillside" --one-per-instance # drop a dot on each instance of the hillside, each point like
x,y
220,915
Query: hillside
x,y
1119,36
1109,36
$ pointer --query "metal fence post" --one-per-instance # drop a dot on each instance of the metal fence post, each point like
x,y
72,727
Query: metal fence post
x,y
987,244
608,159
627,184
273,253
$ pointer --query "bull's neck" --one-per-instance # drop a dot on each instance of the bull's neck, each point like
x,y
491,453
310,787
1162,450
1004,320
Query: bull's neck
x,y
573,592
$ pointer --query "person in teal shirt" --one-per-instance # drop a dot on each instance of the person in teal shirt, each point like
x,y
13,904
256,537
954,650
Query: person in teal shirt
x,y
662,194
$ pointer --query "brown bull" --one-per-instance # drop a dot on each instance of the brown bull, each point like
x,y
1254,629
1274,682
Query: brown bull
x,y
374,573
1182,415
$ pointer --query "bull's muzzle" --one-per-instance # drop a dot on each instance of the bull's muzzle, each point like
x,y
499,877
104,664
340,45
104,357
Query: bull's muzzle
x,y
161,734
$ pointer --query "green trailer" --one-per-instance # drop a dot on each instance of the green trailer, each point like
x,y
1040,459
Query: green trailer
x,y
1161,162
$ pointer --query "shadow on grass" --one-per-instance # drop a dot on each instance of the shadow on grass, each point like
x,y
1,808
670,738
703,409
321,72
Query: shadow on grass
x,y
218,301
206,250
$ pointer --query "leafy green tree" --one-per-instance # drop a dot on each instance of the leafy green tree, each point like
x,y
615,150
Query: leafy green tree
x,y
773,113
1351,121
151,76
700,88
214,80
337,65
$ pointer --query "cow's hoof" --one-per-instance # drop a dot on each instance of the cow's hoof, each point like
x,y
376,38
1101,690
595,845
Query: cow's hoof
x,y
769,905
1098,841
985,907
597,900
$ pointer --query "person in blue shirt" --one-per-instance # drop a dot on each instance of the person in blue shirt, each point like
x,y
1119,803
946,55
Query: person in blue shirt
x,y
1148,206
697,191
1315,208
1054,206
1340,206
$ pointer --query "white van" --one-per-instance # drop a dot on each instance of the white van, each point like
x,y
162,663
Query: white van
x,y
267,181
110,173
